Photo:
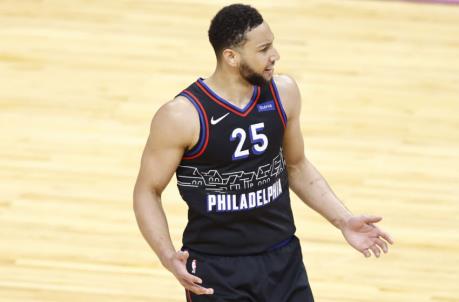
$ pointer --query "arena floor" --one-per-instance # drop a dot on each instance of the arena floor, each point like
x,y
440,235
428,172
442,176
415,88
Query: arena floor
x,y
80,81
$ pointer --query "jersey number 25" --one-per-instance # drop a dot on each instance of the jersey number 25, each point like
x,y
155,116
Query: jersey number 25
x,y
259,141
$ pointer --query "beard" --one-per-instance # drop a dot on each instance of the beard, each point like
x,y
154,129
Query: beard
x,y
252,76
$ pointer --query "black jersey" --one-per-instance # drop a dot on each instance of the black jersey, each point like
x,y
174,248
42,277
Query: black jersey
x,y
234,179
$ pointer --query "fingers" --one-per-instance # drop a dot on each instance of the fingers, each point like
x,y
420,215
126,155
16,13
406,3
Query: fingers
x,y
379,233
382,244
189,281
375,243
197,289
386,236
376,246
375,249
191,278
366,253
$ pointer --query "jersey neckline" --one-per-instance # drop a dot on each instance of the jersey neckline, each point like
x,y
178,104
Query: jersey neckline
x,y
223,102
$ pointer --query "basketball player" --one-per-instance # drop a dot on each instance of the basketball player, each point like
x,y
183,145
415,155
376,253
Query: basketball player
x,y
235,144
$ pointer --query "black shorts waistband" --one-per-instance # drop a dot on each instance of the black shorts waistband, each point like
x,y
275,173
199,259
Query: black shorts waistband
x,y
274,247
280,244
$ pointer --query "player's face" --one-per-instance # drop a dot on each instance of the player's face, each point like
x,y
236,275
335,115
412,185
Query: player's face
x,y
258,56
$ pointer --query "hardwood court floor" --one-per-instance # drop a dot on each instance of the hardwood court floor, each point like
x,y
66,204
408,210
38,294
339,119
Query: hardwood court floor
x,y
81,80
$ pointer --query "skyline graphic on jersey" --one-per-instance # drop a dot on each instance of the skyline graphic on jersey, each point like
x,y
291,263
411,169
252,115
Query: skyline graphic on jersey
x,y
214,181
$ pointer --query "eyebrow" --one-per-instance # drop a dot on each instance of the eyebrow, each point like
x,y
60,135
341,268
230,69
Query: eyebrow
x,y
264,44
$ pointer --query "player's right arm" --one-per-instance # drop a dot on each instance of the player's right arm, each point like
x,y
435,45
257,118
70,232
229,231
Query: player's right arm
x,y
173,130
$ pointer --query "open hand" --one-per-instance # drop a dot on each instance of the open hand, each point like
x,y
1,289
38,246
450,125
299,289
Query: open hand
x,y
177,266
361,233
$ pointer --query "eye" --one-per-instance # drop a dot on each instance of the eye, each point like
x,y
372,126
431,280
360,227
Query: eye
x,y
266,47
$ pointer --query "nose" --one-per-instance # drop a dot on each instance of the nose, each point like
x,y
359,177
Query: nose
x,y
275,56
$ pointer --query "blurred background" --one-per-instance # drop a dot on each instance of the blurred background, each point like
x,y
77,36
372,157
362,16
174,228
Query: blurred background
x,y
81,80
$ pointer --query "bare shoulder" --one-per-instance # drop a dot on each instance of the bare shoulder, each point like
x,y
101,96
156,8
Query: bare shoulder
x,y
285,81
289,93
176,122
176,110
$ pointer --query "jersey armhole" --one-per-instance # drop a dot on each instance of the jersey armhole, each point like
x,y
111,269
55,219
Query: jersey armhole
x,y
201,145
278,102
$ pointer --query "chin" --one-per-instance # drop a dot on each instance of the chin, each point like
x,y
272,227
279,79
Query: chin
x,y
268,79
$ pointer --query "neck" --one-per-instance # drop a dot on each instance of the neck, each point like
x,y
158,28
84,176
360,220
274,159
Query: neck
x,y
230,86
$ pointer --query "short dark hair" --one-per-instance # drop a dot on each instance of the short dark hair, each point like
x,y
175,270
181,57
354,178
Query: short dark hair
x,y
230,24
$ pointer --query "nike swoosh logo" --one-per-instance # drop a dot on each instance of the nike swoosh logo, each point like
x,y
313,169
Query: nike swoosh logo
x,y
215,122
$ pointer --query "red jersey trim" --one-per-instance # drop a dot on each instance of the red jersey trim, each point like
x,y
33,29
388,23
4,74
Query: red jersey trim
x,y
206,125
276,101
243,114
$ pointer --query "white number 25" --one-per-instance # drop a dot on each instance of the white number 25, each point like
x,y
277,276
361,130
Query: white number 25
x,y
259,141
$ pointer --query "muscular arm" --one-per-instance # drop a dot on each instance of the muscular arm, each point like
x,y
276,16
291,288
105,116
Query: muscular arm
x,y
169,138
304,179
359,231
174,129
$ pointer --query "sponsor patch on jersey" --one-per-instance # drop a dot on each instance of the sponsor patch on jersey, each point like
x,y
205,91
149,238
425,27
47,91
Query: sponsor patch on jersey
x,y
266,106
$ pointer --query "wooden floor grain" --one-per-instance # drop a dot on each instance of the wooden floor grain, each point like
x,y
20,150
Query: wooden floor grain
x,y
80,81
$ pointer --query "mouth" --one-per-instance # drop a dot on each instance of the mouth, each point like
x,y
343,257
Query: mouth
x,y
269,71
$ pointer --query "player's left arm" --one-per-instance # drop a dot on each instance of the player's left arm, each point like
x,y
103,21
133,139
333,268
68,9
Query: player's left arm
x,y
311,187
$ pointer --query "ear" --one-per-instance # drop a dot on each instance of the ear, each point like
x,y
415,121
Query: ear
x,y
231,57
